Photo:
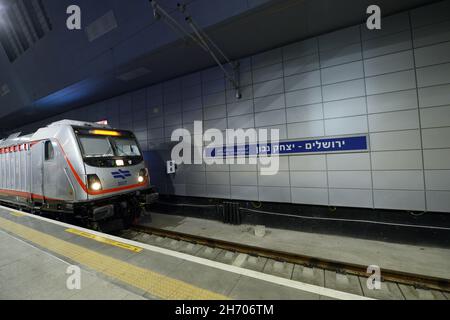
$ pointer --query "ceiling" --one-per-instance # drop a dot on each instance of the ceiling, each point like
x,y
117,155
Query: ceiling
x,y
268,26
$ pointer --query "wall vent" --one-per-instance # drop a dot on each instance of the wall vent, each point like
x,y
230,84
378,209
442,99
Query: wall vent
x,y
101,26
24,22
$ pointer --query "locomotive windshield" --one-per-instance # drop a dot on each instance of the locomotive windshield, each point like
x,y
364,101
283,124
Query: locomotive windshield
x,y
102,148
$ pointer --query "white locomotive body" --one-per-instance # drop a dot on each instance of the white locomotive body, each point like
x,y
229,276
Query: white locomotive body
x,y
76,168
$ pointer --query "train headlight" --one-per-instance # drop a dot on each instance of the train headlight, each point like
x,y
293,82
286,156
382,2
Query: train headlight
x,y
142,175
94,182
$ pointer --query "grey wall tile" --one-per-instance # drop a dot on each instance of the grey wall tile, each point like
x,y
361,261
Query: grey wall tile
x,y
243,121
267,58
303,97
343,72
344,90
214,99
348,162
389,63
216,112
219,178
437,159
398,180
157,133
270,103
196,190
191,92
434,96
437,180
397,160
400,200
173,119
244,178
350,125
220,124
345,108
268,88
433,75
351,198
195,177
192,104
274,194
385,45
193,115
270,118
156,122
221,192
391,82
431,34
342,55
399,120
307,163
392,101
244,193
302,81
436,138
439,53
309,179
310,196
435,117
306,129
213,86
281,179
305,113
438,201
350,179
238,108
397,140
271,72
300,65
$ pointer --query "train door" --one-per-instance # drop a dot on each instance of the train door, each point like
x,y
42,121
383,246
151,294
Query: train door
x,y
50,171
37,182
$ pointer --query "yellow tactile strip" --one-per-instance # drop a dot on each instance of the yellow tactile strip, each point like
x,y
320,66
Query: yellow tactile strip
x,y
154,283
104,240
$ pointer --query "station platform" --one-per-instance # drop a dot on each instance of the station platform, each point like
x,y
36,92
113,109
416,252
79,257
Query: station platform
x,y
36,253
422,260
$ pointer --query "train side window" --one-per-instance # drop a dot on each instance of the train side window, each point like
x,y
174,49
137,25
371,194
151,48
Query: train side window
x,y
49,152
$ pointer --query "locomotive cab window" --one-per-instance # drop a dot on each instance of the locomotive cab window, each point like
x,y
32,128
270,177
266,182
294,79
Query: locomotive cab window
x,y
49,151
102,148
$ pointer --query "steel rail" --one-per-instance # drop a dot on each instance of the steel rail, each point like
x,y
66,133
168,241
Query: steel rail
x,y
416,280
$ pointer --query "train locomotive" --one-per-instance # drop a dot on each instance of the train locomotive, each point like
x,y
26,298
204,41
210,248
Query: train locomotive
x,y
79,170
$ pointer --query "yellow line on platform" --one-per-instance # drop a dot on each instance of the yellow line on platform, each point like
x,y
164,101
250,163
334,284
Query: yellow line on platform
x,y
16,214
104,240
152,282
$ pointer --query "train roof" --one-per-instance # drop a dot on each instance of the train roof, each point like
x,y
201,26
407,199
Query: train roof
x,y
17,138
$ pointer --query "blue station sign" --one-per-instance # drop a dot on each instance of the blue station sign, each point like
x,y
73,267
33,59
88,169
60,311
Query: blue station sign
x,y
328,145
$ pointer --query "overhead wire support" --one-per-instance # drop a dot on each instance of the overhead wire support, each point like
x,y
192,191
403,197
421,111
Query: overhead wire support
x,y
200,38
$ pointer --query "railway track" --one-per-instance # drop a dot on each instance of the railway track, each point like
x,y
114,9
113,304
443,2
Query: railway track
x,y
396,285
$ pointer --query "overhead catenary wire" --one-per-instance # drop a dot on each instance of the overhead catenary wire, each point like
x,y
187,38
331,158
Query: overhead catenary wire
x,y
200,38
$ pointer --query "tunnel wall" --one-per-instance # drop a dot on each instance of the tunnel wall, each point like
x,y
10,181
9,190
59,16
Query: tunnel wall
x,y
393,85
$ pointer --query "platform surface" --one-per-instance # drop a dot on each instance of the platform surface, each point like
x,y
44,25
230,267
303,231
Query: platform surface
x,y
421,260
36,253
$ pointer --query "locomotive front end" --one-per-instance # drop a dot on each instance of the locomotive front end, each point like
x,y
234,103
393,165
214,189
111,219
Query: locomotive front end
x,y
117,181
